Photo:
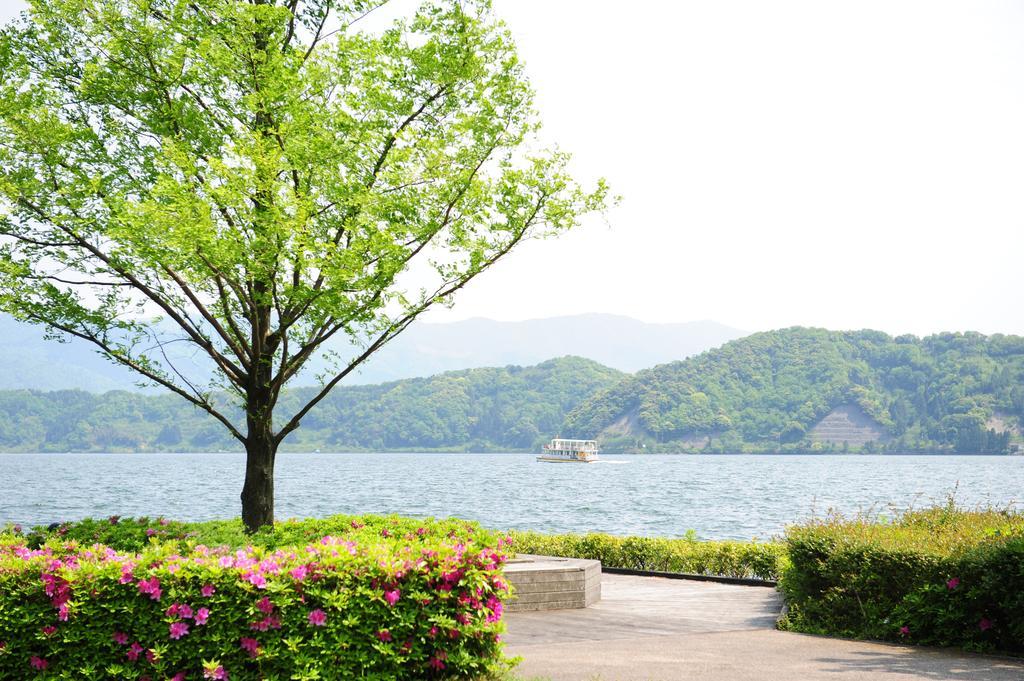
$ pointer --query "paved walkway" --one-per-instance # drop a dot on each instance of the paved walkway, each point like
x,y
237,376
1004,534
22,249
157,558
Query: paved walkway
x,y
653,629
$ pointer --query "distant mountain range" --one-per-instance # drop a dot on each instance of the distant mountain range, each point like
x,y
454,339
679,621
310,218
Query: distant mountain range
x,y
618,342
29,361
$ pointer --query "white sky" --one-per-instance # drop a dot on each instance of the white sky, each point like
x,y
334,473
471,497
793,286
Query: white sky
x,y
840,164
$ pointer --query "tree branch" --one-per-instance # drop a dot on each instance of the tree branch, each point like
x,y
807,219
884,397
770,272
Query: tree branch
x,y
357,19
135,366
371,180
304,352
291,26
211,320
397,327
226,364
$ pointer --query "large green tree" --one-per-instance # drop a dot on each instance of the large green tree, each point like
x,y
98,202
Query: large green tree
x,y
253,179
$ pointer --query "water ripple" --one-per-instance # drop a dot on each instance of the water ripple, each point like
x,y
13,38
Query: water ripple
x,y
718,496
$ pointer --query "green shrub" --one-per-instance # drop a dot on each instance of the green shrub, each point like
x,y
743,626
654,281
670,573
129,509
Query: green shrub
x,y
688,555
134,534
412,605
936,577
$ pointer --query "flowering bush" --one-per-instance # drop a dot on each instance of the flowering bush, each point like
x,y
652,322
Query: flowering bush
x,y
936,577
372,602
726,558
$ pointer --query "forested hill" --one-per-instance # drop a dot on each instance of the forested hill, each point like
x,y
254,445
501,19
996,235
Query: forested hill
x,y
506,408
790,390
803,389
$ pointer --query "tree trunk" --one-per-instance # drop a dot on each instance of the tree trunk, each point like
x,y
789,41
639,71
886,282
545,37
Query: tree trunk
x,y
258,491
260,443
261,451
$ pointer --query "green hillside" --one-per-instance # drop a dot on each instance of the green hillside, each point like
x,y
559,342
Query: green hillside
x,y
508,408
768,391
789,390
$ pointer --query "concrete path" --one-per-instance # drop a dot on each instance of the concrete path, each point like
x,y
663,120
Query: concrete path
x,y
653,629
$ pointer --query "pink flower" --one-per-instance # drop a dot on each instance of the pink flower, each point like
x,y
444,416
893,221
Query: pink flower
x,y
299,573
151,656
178,629
384,635
202,614
495,611
134,651
392,596
985,624
62,612
318,618
39,663
265,606
185,611
904,630
268,622
180,676
150,531
250,645
436,662
126,574
49,630
953,583
217,673
151,587
172,611
257,580
207,590
120,638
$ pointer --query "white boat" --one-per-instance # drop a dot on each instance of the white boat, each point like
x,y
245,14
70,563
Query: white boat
x,y
561,450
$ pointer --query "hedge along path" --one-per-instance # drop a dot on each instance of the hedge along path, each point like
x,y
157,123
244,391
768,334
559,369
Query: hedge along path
x,y
397,599
941,576
648,555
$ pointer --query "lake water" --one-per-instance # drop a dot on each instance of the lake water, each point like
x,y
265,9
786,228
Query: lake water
x,y
718,496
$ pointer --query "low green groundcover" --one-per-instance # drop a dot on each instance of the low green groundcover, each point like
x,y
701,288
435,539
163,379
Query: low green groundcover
x,y
941,576
344,597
